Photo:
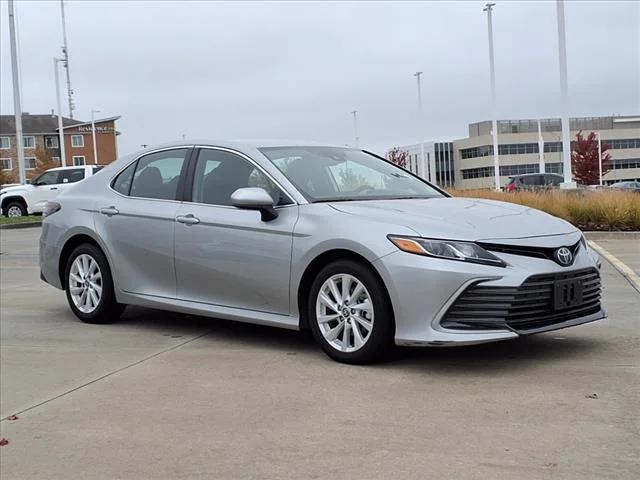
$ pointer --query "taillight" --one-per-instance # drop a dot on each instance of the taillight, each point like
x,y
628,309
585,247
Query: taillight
x,y
50,208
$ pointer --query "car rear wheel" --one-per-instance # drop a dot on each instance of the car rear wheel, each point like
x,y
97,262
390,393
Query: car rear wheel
x,y
89,286
15,209
350,313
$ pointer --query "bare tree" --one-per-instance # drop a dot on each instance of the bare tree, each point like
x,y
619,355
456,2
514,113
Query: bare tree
x,y
398,156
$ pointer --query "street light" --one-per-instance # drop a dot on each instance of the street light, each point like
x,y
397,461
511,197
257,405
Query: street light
x,y
494,123
564,101
540,147
355,127
17,105
93,134
422,171
63,160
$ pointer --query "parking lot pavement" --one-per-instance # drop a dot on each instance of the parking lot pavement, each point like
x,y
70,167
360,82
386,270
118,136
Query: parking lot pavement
x,y
168,396
625,246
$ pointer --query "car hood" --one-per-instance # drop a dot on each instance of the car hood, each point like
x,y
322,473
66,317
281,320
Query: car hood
x,y
16,189
460,218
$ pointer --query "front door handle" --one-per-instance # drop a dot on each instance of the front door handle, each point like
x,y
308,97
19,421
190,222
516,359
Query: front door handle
x,y
187,219
109,211
53,188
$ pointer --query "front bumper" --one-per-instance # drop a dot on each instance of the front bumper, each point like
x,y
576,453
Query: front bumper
x,y
423,289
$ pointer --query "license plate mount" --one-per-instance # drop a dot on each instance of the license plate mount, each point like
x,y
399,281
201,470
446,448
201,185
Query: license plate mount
x,y
567,294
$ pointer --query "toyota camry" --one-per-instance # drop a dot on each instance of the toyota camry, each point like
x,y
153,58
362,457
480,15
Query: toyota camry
x,y
332,239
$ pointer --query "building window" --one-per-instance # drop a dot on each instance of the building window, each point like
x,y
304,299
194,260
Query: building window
x,y
51,142
29,142
624,163
5,143
29,163
5,164
622,144
77,141
79,160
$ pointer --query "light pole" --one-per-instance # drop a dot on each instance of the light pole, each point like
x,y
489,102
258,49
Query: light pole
x,y
63,160
540,147
423,171
17,104
93,134
564,100
355,127
600,157
494,123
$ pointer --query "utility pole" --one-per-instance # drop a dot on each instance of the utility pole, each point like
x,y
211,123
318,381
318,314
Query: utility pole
x,y
423,170
17,104
355,127
540,147
564,99
65,54
63,159
494,120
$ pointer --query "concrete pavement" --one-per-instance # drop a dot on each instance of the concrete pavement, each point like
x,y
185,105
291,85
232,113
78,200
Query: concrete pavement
x,y
168,396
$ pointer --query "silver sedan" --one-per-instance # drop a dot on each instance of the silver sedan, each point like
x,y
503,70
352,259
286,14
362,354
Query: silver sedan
x,y
301,236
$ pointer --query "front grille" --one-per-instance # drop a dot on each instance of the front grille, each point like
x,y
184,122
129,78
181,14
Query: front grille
x,y
528,251
528,307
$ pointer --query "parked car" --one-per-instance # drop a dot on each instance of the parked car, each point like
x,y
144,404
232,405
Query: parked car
x,y
19,200
628,186
333,239
533,181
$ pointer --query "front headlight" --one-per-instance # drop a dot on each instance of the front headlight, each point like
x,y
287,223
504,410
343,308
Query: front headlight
x,y
449,249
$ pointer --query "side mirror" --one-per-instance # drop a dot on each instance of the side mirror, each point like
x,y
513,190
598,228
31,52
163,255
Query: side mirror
x,y
255,199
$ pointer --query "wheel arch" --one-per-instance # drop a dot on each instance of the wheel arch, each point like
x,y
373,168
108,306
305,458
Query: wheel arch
x,y
14,198
69,246
314,267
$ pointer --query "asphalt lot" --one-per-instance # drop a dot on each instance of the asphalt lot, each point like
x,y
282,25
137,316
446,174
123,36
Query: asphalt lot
x,y
168,396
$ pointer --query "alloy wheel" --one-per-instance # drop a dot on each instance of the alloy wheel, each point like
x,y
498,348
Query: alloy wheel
x,y
344,312
14,211
85,283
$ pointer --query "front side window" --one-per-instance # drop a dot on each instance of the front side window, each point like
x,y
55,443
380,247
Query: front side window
x,y
29,142
78,160
5,143
342,174
218,174
30,163
47,178
157,175
77,140
71,175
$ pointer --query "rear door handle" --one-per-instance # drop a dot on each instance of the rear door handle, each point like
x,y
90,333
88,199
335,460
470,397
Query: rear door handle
x,y
187,219
53,188
109,211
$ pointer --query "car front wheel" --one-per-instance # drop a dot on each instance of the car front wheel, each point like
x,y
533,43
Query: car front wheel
x,y
350,313
15,209
89,286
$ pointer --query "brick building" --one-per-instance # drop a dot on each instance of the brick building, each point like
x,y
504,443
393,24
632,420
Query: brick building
x,y
41,131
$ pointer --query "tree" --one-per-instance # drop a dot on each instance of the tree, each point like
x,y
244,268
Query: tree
x,y
584,159
44,161
8,176
399,157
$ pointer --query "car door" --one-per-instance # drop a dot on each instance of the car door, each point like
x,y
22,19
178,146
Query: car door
x,y
225,255
45,188
136,219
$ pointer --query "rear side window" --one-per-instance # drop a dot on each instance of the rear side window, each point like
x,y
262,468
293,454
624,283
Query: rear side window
x,y
122,183
71,176
97,169
157,175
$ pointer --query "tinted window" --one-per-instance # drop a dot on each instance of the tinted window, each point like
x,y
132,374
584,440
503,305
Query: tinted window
x,y
47,178
218,174
531,180
71,176
157,175
122,183
97,169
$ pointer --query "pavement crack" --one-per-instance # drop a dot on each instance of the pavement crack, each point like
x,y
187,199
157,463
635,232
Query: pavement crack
x,y
106,375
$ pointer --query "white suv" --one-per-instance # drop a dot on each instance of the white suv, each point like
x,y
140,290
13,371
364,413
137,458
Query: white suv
x,y
20,200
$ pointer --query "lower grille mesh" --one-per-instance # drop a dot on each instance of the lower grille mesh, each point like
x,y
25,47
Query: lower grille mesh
x,y
527,307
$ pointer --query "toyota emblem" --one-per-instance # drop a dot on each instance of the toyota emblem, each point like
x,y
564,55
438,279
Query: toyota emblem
x,y
564,256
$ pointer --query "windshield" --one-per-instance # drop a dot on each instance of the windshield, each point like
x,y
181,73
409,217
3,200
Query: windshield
x,y
340,174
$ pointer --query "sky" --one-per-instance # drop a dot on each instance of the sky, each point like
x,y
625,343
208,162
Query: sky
x,y
240,70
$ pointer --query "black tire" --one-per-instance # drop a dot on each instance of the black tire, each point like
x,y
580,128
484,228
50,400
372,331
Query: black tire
x,y
380,338
108,310
15,204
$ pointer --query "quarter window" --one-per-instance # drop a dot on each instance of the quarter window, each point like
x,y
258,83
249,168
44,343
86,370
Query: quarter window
x,y
5,143
122,183
157,175
5,164
77,141
218,174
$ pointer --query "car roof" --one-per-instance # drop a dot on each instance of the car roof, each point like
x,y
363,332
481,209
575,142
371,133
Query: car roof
x,y
531,174
72,166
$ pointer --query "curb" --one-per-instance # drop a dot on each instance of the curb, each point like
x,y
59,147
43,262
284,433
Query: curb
x,y
13,226
621,267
